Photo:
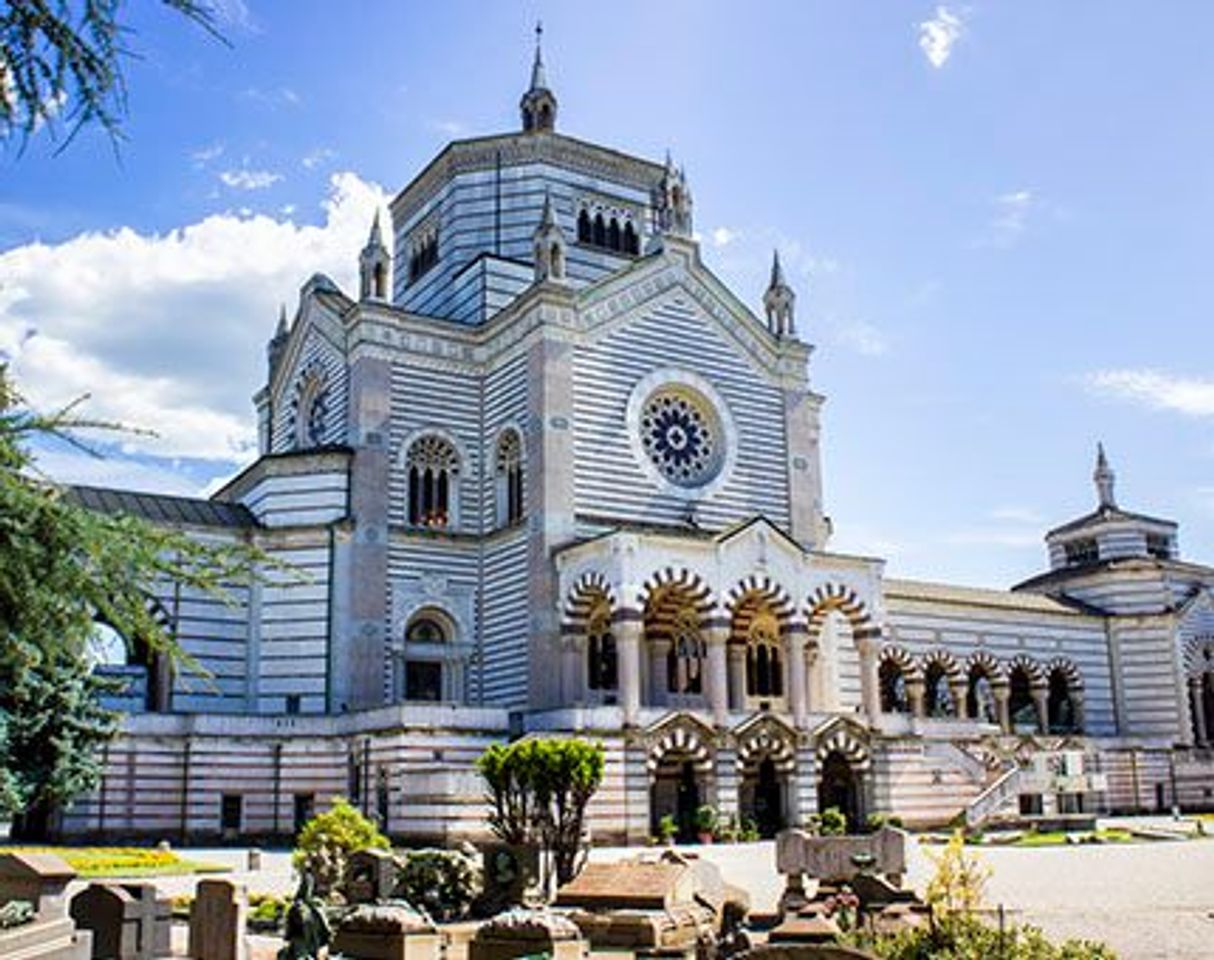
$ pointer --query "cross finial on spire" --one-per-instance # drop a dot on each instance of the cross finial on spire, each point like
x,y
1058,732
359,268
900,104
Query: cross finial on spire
x,y
1104,477
539,102
538,80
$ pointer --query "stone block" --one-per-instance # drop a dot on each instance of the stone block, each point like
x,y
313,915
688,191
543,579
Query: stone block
x,y
218,919
371,876
38,878
830,858
528,933
127,921
387,932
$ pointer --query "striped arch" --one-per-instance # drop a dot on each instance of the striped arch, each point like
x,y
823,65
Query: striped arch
x,y
587,592
682,581
983,664
763,589
844,741
842,598
680,740
1031,669
767,739
945,660
1065,666
892,653
1198,656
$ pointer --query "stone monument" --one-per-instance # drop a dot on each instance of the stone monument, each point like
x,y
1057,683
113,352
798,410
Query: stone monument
x,y
218,918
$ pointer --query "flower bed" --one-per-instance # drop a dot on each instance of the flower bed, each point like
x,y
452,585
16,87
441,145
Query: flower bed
x,y
96,862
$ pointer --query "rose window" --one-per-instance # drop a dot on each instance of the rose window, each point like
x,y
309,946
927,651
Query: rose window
x,y
679,433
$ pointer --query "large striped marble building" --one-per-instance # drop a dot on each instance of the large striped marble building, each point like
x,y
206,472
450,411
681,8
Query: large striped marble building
x,y
543,473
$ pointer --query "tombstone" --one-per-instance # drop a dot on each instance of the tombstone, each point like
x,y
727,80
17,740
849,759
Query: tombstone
x,y
649,904
837,860
371,876
40,879
806,951
391,931
217,921
126,920
528,933
512,875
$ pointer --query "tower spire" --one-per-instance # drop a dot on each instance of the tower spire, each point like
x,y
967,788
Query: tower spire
x,y
779,300
1104,477
538,105
374,265
548,243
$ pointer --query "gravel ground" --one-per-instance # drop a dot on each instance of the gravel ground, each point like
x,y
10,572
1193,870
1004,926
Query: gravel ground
x,y
1149,901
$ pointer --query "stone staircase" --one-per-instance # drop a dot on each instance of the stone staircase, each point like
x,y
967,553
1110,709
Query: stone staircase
x,y
992,800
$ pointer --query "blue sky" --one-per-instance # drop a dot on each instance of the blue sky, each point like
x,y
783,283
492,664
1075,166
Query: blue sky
x,y
997,218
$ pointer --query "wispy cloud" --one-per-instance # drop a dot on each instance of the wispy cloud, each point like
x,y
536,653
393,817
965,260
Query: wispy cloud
x,y
1012,526
245,179
204,155
235,13
317,158
939,34
1155,389
860,336
724,236
276,97
1010,218
450,128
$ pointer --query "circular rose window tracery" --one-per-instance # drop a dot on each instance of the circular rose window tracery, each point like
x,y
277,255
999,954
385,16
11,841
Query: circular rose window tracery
x,y
681,435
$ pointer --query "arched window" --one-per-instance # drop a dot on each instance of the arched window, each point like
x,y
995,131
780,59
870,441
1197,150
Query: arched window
x,y
433,468
379,285
583,227
509,479
1021,710
613,235
685,663
764,669
601,658
893,688
423,679
980,697
1060,705
631,243
600,231
107,647
556,262
146,673
311,408
937,698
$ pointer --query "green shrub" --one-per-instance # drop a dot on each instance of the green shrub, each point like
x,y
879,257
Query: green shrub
x,y
667,828
329,838
266,911
16,913
750,830
443,882
832,822
875,821
706,818
962,936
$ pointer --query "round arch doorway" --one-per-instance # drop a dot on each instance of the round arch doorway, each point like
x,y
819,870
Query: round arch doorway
x,y
679,788
839,787
762,797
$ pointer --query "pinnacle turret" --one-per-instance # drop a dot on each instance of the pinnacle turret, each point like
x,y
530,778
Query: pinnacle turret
x,y
374,265
538,105
1104,477
779,301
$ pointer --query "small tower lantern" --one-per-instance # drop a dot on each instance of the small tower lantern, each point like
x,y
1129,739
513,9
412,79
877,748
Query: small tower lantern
x,y
779,301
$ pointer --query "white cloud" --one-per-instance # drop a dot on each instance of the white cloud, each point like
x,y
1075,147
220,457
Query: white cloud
x,y
723,236
111,469
1156,389
1009,218
271,98
204,155
939,34
245,179
450,128
167,331
861,336
318,157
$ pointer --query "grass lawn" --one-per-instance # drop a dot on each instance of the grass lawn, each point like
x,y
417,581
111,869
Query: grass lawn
x,y
96,862
1058,838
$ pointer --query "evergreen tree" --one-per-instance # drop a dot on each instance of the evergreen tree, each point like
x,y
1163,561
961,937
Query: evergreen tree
x,y
63,568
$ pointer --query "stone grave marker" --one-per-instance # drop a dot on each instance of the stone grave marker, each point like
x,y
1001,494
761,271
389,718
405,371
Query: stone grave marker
x,y
370,876
127,921
528,933
217,921
387,931
40,879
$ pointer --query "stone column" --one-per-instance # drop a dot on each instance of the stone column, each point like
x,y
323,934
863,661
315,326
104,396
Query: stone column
x,y
718,675
915,687
958,688
1001,693
795,655
1077,708
1199,713
659,685
737,676
1040,697
814,695
627,630
573,668
869,644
